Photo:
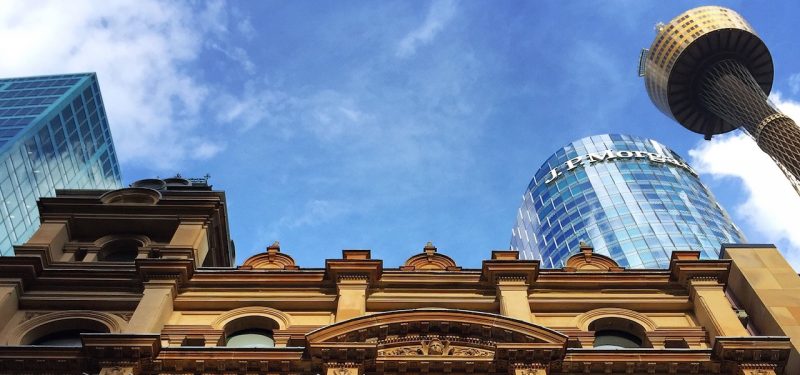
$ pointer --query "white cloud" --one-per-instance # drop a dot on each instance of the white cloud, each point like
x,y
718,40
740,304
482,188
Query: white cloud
x,y
794,83
439,14
770,204
141,50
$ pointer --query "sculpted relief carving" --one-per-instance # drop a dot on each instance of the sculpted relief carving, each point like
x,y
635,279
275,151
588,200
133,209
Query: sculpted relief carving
x,y
116,370
435,347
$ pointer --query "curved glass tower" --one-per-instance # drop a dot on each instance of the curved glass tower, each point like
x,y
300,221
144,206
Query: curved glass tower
x,y
631,198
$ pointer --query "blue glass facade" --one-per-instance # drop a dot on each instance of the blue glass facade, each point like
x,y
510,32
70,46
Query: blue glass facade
x,y
631,198
53,135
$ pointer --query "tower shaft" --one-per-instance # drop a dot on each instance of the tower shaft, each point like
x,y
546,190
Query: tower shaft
x,y
729,91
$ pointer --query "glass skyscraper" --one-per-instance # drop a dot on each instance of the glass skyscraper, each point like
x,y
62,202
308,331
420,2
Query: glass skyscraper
x,y
631,198
53,135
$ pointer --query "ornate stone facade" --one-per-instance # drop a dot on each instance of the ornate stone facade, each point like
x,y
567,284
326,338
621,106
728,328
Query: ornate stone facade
x,y
177,310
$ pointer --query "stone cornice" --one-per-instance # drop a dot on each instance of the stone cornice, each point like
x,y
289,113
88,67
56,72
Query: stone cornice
x,y
686,265
506,264
753,349
179,270
354,263
26,269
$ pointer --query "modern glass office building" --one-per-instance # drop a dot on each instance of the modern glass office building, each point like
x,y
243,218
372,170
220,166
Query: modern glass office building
x,y
53,135
631,198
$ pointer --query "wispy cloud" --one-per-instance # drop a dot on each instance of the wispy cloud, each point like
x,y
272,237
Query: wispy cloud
x,y
794,83
237,54
770,204
439,14
142,51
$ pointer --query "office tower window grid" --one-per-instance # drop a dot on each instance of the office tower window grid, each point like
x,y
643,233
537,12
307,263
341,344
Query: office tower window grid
x,y
632,209
53,135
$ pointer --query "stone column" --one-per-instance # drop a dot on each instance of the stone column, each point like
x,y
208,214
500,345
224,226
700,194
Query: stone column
x,y
713,310
154,308
513,295
352,299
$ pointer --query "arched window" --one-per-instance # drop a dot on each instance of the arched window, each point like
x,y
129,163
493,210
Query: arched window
x,y
67,337
250,338
613,339
63,332
121,250
250,332
617,333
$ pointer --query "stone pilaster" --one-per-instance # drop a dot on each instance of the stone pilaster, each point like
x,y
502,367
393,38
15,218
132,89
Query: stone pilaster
x,y
713,309
512,293
352,299
10,291
154,308
512,277
51,235
192,235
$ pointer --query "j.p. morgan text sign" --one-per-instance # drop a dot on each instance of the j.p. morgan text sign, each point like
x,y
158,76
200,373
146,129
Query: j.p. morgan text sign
x,y
611,155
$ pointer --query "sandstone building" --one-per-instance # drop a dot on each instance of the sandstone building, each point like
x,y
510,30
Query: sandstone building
x,y
142,281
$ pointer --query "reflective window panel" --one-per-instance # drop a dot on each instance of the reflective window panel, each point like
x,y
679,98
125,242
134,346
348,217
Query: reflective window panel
x,y
631,198
53,135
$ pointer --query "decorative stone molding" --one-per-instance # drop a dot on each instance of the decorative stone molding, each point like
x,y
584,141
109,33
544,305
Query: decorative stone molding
x,y
506,263
43,324
589,261
757,369
102,241
435,347
141,196
686,265
116,370
584,320
435,341
354,262
430,260
352,277
348,368
530,369
282,319
272,259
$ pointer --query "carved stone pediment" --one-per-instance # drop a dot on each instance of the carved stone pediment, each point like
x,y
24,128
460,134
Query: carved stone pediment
x,y
436,347
589,261
434,340
272,259
430,260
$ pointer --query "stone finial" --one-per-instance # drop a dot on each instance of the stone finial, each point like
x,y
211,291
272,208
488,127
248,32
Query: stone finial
x,y
274,248
429,248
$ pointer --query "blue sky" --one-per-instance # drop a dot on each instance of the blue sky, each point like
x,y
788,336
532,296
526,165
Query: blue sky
x,y
384,125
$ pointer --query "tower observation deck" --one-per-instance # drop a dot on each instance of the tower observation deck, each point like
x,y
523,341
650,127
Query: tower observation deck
x,y
708,70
